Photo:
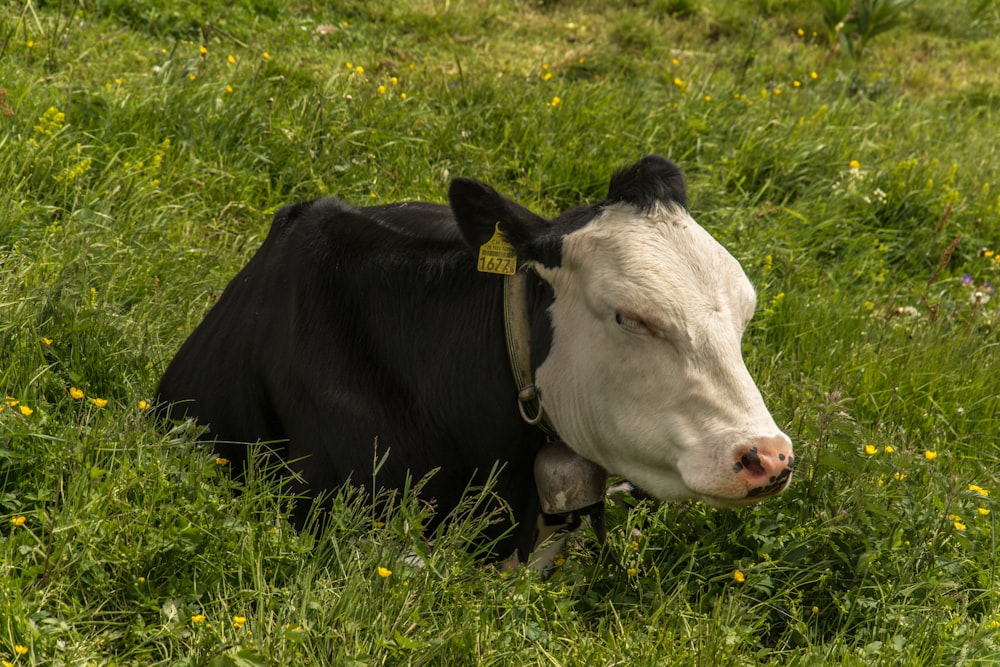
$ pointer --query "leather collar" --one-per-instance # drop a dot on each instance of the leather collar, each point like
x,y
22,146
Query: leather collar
x,y
515,316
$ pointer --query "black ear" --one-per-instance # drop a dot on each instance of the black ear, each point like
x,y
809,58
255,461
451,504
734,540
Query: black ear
x,y
652,179
478,208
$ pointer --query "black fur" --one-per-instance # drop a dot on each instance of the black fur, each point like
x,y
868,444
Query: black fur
x,y
653,179
353,328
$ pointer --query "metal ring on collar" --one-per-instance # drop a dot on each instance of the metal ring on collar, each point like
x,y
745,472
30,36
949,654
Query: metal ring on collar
x,y
526,396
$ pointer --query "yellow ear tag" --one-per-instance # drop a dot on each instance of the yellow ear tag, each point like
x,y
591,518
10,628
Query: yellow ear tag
x,y
497,255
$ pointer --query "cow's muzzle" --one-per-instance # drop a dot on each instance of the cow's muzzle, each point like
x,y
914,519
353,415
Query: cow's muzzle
x,y
765,466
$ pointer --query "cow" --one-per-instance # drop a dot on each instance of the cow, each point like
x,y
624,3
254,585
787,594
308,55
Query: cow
x,y
385,328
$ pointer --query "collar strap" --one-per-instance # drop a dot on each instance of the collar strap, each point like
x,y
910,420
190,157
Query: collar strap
x,y
515,317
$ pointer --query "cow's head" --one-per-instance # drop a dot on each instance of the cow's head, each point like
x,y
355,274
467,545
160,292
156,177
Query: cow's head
x,y
645,374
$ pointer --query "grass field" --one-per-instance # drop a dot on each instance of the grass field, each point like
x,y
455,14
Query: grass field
x,y
855,172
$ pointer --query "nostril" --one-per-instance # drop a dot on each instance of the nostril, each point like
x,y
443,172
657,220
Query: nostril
x,y
751,462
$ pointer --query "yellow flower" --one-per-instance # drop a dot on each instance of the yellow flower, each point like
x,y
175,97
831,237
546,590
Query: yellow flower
x,y
813,75
797,83
983,510
144,405
632,572
930,455
100,402
800,32
359,69
678,82
192,77
198,618
6,663
555,102
384,572
708,98
381,90
675,62
634,546
959,525
30,44
25,410
46,341
11,401
738,577
202,49
219,461
547,76
889,449
855,164
559,560
402,96
267,56
978,489
20,650
871,450
229,89
231,59
19,521
899,476
77,394
50,122
239,621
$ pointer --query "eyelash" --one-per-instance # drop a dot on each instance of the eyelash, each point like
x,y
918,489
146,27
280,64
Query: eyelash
x,y
633,324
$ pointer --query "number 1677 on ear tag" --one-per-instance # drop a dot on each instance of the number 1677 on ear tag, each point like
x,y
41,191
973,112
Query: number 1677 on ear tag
x,y
497,255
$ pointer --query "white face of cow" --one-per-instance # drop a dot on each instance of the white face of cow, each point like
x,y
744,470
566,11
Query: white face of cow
x,y
645,375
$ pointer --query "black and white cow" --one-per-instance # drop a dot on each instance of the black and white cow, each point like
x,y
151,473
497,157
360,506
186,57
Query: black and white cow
x,y
356,326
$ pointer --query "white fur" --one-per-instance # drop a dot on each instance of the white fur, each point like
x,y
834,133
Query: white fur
x,y
661,397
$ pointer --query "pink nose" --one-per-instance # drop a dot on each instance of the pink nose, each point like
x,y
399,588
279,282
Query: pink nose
x,y
766,466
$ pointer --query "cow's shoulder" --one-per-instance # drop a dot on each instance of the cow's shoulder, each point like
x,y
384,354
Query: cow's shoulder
x,y
415,219
330,225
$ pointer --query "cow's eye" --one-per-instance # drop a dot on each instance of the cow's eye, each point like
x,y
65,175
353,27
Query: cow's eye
x,y
632,324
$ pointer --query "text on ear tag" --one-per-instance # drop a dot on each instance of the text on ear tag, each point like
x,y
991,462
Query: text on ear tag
x,y
497,255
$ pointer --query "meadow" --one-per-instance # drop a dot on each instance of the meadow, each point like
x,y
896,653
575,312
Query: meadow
x,y
850,161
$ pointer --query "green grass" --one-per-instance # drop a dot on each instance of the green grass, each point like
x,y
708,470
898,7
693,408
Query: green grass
x,y
138,174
